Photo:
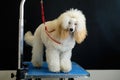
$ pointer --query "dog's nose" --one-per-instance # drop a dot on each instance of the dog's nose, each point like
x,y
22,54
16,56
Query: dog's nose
x,y
71,29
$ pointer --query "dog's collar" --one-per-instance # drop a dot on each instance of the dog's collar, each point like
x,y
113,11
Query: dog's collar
x,y
47,32
43,20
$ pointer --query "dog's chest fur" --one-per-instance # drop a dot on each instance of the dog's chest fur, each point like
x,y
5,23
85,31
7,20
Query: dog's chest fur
x,y
67,44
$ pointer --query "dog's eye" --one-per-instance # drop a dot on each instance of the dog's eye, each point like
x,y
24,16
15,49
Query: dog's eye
x,y
75,23
69,22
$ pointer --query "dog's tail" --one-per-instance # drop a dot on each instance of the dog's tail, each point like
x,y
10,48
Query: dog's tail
x,y
29,38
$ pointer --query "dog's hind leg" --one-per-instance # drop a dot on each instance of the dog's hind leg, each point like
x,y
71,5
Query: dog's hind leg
x,y
37,52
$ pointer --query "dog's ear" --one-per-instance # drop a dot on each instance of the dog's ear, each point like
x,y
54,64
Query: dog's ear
x,y
64,22
80,33
62,29
63,33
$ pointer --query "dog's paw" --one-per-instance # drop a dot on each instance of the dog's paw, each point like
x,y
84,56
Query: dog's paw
x,y
36,64
54,68
66,66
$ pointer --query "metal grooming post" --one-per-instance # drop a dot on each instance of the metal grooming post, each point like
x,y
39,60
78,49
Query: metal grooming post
x,y
21,39
21,33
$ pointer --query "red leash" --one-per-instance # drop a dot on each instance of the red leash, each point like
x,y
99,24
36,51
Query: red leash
x,y
43,20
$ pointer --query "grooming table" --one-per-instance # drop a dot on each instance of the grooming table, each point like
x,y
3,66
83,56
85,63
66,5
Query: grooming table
x,y
43,72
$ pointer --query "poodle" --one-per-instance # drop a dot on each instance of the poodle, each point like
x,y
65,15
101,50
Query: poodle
x,y
59,36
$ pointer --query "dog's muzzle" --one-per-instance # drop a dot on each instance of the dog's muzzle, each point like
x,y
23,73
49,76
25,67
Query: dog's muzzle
x,y
71,30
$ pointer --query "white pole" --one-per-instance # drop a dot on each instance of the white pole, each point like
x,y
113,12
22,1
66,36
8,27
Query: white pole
x,y
21,33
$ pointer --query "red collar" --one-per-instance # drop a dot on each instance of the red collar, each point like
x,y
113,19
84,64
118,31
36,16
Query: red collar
x,y
47,32
43,20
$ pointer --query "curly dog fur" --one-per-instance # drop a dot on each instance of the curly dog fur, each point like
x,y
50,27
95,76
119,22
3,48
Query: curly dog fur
x,y
70,27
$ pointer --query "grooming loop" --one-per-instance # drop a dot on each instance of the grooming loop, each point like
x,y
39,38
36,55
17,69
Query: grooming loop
x,y
27,71
43,20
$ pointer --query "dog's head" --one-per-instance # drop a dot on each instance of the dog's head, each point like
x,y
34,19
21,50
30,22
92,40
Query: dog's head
x,y
73,22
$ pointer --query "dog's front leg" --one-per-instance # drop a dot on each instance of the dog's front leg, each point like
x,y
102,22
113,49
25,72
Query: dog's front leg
x,y
65,58
53,59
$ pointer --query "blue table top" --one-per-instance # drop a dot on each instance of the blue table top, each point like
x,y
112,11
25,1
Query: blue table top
x,y
43,72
